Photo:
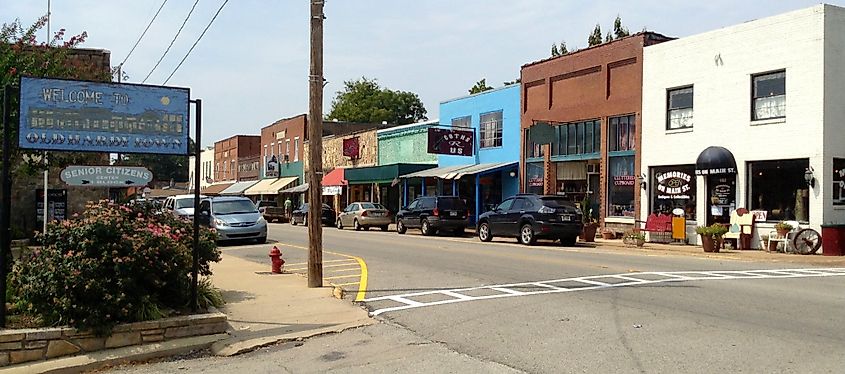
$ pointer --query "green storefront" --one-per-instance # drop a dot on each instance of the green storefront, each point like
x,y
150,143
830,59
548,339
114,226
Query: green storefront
x,y
380,183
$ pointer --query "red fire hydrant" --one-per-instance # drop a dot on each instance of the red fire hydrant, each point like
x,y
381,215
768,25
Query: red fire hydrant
x,y
277,261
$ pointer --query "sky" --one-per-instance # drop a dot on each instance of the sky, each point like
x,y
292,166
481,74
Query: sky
x,y
251,67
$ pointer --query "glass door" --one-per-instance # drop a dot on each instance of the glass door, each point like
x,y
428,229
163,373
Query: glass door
x,y
721,198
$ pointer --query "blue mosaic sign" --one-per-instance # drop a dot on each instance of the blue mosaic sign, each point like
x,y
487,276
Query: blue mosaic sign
x,y
67,115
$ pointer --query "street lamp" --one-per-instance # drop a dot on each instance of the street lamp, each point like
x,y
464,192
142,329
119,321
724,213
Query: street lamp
x,y
809,177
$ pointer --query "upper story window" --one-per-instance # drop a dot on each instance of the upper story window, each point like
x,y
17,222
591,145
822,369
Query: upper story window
x,y
679,108
621,133
768,96
577,138
296,149
462,122
532,150
490,130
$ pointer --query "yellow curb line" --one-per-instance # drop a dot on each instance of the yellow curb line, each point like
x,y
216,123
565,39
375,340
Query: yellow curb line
x,y
362,286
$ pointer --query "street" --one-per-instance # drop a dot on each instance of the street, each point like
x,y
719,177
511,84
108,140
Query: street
x,y
549,308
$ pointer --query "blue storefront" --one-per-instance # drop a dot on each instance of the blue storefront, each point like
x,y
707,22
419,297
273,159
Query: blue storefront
x,y
491,174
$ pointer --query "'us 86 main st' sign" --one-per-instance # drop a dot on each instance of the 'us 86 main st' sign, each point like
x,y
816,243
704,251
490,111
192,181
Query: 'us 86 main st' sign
x,y
84,116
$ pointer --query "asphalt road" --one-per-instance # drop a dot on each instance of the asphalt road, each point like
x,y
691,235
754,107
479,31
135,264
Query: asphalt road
x,y
709,321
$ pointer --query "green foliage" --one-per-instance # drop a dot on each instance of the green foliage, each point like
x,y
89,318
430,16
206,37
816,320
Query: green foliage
x,y
634,235
208,295
110,266
515,81
480,86
595,36
608,38
618,30
365,101
782,225
714,231
587,211
163,167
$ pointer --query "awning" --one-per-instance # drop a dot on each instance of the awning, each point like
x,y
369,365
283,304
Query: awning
x,y
238,188
715,160
216,189
269,186
298,189
440,172
382,174
481,169
334,178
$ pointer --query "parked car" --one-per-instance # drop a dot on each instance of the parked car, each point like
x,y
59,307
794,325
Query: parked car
x,y
363,215
529,217
432,214
301,215
234,218
181,206
274,213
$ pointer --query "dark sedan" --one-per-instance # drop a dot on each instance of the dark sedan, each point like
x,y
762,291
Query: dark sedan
x,y
301,215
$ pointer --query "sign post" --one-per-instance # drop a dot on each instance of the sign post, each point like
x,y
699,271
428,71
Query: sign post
x,y
5,202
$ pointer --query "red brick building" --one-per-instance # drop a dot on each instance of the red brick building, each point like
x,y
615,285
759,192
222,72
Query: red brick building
x,y
230,153
592,98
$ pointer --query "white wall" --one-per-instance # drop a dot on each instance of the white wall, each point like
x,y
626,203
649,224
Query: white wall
x,y
834,108
719,65
206,156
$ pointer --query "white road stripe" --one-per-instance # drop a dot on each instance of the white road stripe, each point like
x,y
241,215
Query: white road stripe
x,y
504,290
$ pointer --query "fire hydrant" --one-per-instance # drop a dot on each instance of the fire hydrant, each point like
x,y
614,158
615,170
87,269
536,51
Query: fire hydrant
x,y
277,262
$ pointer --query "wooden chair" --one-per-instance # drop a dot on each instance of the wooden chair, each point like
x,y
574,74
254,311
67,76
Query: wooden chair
x,y
741,228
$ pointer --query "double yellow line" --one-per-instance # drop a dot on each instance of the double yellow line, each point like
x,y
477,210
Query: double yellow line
x,y
362,282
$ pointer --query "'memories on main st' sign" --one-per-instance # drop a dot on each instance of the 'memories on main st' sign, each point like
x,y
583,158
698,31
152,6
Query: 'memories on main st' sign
x,y
84,116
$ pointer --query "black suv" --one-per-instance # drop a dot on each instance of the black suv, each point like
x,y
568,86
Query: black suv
x,y
530,217
432,214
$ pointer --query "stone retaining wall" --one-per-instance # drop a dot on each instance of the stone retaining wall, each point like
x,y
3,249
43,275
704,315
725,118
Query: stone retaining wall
x,y
22,345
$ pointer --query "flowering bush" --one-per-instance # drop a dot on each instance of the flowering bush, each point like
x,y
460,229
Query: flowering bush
x,y
111,265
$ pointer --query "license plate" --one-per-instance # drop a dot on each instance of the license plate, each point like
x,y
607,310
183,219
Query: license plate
x,y
566,217
453,214
378,214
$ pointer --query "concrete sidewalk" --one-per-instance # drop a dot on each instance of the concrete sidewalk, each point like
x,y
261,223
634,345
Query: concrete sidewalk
x,y
265,308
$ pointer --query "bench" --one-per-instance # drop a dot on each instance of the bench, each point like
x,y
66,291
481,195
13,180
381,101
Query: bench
x,y
658,226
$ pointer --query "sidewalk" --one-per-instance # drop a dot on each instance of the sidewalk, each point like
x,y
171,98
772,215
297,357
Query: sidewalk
x,y
263,309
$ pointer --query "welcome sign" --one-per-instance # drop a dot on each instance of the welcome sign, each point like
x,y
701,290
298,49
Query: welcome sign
x,y
66,115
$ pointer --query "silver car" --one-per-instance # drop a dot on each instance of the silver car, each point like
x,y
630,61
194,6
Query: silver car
x,y
181,206
363,215
234,218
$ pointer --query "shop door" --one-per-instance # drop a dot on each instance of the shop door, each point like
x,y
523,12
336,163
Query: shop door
x,y
721,198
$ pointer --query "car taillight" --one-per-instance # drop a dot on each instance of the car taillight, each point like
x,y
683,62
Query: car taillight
x,y
436,212
364,214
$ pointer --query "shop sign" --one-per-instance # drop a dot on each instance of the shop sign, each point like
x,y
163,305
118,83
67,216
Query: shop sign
x,y
450,142
715,171
535,182
673,185
332,190
351,148
839,181
66,115
624,180
541,133
272,169
56,205
106,176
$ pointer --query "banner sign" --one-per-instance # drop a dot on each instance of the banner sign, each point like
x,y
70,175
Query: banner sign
x,y
272,169
450,141
106,176
66,115
351,148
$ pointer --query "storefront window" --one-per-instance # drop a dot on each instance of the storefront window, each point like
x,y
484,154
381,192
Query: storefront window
x,y
577,138
622,133
620,194
673,187
779,188
534,175
532,150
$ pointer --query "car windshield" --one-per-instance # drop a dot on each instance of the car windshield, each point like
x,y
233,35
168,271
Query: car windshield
x,y
187,202
556,202
451,203
371,206
234,207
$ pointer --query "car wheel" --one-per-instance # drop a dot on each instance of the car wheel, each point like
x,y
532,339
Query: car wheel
x,y
526,234
383,228
339,224
484,233
400,227
568,241
356,225
425,228
261,240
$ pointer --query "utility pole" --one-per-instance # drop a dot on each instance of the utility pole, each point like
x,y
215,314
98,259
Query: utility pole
x,y
315,150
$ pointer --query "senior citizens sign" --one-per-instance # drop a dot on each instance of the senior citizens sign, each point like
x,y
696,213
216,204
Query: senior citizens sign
x,y
68,115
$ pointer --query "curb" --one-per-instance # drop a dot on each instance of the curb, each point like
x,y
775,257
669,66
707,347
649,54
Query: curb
x,y
234,346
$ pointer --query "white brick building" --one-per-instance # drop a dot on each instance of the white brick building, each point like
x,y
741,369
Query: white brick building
x,y
770,92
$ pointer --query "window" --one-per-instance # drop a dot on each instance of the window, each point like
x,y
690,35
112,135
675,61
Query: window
x,y
577,138
534,177
272,148
265,151
491,130
673,187
519,204
296,149
287,147
679,108
532,150
505,205
622,133
768,95
779,188
413,205
462,122
620,186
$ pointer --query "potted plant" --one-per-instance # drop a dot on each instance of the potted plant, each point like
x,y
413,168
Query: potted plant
x,y
783,228
706,235
590,223
607,233
635,237
718,231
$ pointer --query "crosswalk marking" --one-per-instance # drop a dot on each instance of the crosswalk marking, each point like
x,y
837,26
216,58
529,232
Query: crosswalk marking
x,y
406,301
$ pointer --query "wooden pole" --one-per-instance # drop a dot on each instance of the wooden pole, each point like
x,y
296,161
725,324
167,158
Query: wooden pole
x,y
315,148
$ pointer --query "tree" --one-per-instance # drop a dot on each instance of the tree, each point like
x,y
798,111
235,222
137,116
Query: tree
x,y
515,81
559,50
364,101
618,30
555,51
480,86
595,37
608,38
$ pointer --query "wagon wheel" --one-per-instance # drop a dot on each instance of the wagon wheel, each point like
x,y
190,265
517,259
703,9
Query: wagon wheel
x,y
807,241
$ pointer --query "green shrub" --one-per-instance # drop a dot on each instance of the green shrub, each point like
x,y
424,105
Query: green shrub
x,y
111,265
208,295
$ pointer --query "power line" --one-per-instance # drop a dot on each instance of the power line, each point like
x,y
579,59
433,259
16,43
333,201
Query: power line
x,y
196,42
171,42
144,33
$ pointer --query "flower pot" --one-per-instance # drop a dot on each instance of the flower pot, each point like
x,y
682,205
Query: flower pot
x,y
589,233
639,242
708,243
782,232
608,235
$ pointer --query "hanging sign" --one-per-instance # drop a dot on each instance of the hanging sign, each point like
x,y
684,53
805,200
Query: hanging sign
x,y
450,142
106,176
351,148
66,115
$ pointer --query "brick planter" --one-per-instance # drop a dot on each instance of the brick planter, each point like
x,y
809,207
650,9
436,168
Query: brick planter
x,y
22,345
